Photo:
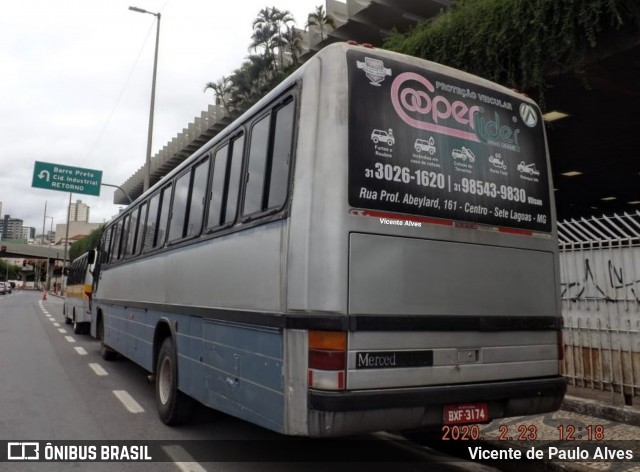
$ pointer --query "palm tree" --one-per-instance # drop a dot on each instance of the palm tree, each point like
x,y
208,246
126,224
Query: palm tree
x,y
281,19
268,30
263,38
221,89
248,82
292,43
321,20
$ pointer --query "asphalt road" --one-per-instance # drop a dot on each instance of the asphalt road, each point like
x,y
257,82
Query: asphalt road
x,y
54,386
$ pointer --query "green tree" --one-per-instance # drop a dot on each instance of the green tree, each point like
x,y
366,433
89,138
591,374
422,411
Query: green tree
x,y
11,269
221,89
516,43
292,43
86,244
268,30
321,20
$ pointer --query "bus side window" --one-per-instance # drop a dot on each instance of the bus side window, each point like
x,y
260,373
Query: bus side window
x,y
82,274
233,186
219,170
115,244
163,218
106,245
150,233
188,202
197,198
141,227
133,231
281,156
269,160
124,237
180,209
258,150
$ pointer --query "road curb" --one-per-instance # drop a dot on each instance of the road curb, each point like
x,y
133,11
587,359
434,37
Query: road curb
x,y
619,414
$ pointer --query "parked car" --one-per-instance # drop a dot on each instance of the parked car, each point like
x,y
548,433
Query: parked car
x,y
380,135
3,288
8,288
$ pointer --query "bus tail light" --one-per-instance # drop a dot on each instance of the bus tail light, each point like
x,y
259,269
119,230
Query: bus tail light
x,y
89,295
327,359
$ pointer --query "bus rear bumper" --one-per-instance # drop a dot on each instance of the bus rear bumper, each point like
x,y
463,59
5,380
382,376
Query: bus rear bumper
x,y
343,413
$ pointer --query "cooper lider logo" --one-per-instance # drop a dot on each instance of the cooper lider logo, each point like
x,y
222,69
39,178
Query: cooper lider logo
x,y
420,100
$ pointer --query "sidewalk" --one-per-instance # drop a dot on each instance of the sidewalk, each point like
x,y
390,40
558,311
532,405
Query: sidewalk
x,y
588,420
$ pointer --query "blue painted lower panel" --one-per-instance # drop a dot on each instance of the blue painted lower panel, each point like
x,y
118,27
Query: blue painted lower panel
x,y
237,369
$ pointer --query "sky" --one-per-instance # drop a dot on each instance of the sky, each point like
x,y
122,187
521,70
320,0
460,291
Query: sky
x,y
75,82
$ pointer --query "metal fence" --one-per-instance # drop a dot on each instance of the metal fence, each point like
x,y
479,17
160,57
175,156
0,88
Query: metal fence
x,y
600,277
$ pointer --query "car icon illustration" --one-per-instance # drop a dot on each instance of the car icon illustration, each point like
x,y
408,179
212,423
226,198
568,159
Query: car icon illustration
x,y
383,136
497,162
463,154
425,145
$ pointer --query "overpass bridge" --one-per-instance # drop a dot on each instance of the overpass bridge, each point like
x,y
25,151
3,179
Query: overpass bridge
x,y
26,251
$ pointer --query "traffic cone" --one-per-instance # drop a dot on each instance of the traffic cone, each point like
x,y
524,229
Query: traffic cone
x,y
44,294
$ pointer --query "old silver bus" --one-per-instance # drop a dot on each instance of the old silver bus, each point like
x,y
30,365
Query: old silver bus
x,y
302,274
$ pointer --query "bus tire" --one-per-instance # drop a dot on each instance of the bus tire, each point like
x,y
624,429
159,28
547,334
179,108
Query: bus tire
x,y
174,407
106,352
67,320
78,328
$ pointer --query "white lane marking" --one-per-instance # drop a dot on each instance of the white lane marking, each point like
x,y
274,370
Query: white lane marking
x,y
62,330
82,351
128,401
70,339
182,459
97,368
57,325
46,312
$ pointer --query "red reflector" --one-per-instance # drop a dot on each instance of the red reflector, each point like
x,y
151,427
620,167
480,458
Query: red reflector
x,y
352,42
367,45
326,360
522,232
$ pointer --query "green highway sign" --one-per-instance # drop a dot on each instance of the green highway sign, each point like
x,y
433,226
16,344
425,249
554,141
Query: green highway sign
x,y
66,179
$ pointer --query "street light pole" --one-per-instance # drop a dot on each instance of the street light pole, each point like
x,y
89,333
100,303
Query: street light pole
x,y
147,175
47,281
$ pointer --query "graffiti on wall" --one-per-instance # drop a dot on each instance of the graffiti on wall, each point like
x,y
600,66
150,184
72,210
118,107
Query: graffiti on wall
x,y
583,278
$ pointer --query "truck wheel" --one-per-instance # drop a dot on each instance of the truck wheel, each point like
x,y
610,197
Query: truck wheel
x,y
174,407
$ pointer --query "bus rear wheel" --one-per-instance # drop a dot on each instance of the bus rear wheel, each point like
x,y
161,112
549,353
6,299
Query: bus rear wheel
x,y
106,352
174,407
78,328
